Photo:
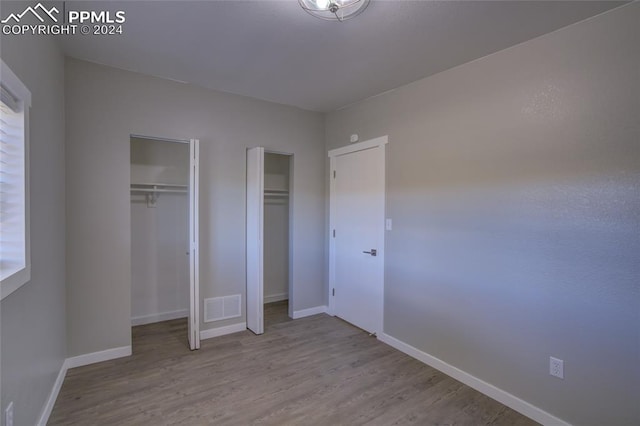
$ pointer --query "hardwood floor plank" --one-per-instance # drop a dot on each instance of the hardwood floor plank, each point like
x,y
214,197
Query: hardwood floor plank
x,y
317,370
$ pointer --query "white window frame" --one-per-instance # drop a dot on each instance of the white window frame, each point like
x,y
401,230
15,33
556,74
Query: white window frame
x,y
11,83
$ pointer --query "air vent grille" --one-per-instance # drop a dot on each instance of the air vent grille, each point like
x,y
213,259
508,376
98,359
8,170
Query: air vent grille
x,y
220,308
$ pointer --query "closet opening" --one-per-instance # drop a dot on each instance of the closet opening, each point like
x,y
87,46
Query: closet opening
x,y
269,238
163,195
277,247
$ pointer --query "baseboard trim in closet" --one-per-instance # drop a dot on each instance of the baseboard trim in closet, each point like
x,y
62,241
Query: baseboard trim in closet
x,y
310,311
276,297
164,316
221,331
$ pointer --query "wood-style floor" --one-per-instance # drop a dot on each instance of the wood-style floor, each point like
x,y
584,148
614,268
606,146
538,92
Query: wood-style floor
x,y
317,370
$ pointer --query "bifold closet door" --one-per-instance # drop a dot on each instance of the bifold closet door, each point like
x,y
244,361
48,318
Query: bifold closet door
x,y
194,284
255,240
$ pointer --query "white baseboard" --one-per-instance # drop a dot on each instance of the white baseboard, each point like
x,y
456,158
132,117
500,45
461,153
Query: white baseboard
x,y
488,389
221,331
163,316
92,358
276,297
77,361
310,311
53,395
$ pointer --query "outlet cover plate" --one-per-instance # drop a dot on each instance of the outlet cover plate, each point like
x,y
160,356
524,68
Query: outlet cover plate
x,y
556,367
8,415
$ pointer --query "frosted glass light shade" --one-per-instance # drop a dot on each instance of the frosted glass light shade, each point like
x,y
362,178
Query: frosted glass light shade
x,y
334,10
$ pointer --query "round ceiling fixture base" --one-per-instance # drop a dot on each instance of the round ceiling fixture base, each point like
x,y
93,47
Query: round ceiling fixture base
x,y
334,10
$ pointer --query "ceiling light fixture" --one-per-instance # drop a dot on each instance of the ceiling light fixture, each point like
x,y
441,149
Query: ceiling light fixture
x,y
334,10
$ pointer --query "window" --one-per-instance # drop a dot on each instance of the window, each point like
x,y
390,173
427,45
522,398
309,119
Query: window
x,y
15,262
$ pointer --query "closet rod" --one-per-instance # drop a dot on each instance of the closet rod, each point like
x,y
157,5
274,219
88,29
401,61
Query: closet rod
x,y
159,190
156,185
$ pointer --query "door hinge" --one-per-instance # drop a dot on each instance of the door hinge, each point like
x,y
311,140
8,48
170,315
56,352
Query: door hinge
x,y
334,233
334,174
334,292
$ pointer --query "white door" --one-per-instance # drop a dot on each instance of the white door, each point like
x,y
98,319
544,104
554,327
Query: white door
x,y
194,280
255,221
357,233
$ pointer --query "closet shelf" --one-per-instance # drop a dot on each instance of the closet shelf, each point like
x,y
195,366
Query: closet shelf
x,y
155,188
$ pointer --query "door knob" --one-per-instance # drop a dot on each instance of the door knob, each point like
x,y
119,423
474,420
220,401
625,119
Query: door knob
x,y
373,252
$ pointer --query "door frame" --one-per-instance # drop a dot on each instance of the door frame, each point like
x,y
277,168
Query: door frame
x,y
194,220
194,244
379,142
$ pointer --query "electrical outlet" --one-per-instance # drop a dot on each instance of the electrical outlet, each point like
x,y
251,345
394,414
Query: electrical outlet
x,y
8,415
556,367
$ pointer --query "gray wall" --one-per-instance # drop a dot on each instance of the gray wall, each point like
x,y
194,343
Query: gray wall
x,y
276,228
33,317
104,106
513,183
154,161
159,260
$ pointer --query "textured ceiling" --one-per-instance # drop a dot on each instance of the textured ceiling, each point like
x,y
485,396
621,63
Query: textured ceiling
x,y
273,50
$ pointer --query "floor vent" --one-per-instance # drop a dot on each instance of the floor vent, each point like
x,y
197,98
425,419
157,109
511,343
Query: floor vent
x,y
220,308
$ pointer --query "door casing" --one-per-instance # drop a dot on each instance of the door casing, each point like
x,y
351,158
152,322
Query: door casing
x,y
194,250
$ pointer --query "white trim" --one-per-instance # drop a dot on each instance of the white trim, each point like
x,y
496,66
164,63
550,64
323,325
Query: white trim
x,y
94,357
16,87
221,331
14,281
276,297
73,362
310,311
194,244
331,306
292,233
360,146
12,83
53,395
163,316
502,396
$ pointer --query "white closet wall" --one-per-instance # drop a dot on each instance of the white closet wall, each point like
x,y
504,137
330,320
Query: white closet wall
x,y
276,227
159,233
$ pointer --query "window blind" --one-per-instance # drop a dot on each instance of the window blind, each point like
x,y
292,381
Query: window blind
x,y
12,185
